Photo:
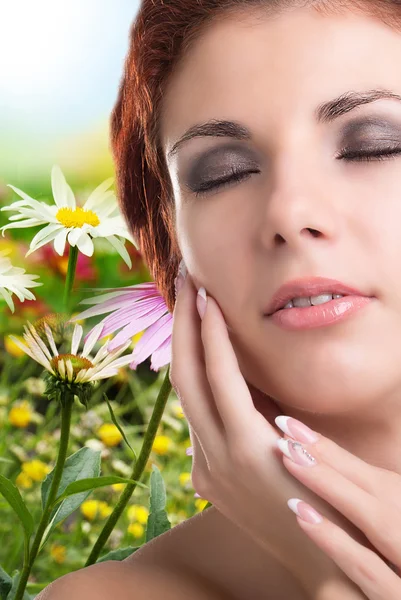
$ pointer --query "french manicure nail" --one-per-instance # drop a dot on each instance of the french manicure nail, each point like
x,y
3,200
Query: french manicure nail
x,y
179,280
304,510
201,301
296,452
296,429
189,451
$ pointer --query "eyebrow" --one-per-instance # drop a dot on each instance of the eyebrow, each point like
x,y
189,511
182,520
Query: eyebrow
x,y
324,113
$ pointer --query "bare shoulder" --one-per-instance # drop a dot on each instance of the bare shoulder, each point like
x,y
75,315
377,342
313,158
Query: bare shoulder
x,y
114,579
212,549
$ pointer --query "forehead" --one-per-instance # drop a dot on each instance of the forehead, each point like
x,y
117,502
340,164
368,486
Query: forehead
x,y
261,69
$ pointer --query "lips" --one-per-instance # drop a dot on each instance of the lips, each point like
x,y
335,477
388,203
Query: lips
x,y
310,286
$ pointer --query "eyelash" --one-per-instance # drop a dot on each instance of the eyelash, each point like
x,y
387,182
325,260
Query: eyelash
x,y
358,156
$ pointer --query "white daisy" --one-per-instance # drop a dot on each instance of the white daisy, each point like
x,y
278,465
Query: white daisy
x,y
65,221
15,280
74,367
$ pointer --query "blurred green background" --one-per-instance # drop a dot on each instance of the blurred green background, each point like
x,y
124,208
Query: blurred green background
x,y
61,66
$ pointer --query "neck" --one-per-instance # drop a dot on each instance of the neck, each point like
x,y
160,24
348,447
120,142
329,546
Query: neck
x,y
374,434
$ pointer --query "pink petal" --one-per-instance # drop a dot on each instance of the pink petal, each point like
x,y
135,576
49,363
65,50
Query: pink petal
x,y
146,322
162,356
153,337
124,316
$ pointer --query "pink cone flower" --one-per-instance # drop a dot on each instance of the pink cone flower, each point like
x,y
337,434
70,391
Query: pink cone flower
x,y
134,309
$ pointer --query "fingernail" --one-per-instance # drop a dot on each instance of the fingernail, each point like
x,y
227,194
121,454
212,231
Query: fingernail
x,y
196,495
189,451
179,280
296,452
201,301
296,429
304,510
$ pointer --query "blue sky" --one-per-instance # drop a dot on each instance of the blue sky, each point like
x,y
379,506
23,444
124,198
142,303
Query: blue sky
x,y
63,61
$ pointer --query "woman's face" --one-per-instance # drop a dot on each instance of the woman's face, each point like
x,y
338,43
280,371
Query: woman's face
x,y
246,239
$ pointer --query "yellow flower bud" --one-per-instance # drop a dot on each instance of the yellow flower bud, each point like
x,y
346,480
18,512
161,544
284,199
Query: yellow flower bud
x,y
20,414
161,444
23,481
36,469
185,479
139,513
57,552
136,529
109,434
89,509
200,503
117,487
104,509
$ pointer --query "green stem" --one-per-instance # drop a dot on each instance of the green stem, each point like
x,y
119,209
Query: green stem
x,y
66,409
69,282
137,470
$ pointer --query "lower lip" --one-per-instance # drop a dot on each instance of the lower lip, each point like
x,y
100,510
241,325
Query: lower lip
x,y
310,317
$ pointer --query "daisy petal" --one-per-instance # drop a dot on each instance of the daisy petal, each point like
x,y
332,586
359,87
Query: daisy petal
x,y
85,244
62,193
59,242
97,194
76,338
92,339
121,249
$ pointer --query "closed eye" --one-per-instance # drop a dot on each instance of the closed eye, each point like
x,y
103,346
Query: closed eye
x,y
347,155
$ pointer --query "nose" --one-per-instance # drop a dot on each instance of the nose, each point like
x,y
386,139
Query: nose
x,y
299,209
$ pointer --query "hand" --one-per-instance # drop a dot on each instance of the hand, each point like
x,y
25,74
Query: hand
x,y
369,496
236,464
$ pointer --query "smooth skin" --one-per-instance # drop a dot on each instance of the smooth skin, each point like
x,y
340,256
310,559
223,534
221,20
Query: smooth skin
x,y
305,212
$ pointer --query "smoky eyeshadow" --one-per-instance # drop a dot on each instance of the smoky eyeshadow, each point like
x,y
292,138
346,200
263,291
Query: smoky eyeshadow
x,y
217,163
369,132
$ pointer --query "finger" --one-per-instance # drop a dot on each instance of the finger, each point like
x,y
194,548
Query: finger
x,y
230,390
187,369
200,464
378,520
369,477
363,566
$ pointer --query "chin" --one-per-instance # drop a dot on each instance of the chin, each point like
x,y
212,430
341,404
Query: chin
x,y
338,383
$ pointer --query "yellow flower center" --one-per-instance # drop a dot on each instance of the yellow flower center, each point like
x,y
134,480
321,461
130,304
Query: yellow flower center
x,y
78,362
77,217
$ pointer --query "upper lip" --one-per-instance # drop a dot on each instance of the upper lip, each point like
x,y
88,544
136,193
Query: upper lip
x,y
308,286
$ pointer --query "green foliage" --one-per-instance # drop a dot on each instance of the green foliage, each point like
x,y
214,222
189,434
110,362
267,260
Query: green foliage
x,y
158,522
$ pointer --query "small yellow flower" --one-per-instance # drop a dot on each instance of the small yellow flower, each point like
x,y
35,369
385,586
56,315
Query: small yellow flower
x,y
117,487
20,414
177,410
139,513
161,444
104,509
12,347
185,479
57,552
136,529
36,469
89,509
23,481
109,434
200,503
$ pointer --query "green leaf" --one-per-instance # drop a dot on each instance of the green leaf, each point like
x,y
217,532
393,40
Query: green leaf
x,y
14,586
14,498
158,522
120,429
81,465
6,583
119,554
94,482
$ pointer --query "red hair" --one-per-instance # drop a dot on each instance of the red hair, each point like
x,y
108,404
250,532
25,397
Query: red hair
x,y
163,31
